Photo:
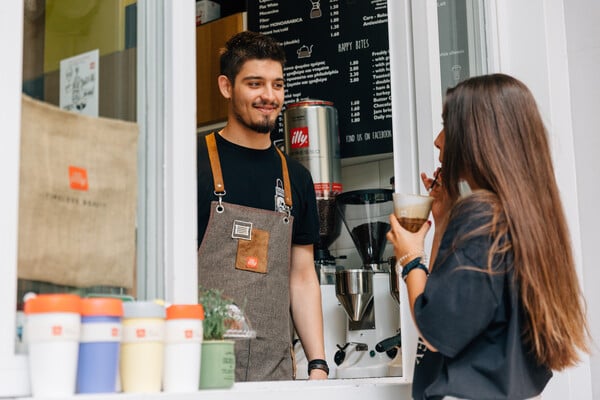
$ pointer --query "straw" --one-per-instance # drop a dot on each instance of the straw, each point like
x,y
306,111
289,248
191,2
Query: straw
x,y
434,182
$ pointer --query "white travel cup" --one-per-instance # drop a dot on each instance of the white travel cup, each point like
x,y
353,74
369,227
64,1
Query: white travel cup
x,y
183,342
52,327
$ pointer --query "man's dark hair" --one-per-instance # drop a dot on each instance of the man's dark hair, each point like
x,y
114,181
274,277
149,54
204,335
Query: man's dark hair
x,y
246,46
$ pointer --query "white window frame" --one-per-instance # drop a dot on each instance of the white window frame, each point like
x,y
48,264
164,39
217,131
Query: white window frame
x,y
416,86
13,368
167,223
167,145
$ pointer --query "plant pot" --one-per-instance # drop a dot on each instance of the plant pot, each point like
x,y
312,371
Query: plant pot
x,y
217,368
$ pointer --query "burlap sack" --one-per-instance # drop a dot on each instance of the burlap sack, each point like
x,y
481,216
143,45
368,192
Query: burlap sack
x,y
77,204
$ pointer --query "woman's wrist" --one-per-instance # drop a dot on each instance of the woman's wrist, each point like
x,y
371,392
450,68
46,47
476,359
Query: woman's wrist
x,y
416,263
411,255
319,364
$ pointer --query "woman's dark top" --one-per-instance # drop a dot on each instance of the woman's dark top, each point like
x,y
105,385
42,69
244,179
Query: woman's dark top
x,y
474,319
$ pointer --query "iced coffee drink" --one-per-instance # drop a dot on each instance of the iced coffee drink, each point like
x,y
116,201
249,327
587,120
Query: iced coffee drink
x,y
412,210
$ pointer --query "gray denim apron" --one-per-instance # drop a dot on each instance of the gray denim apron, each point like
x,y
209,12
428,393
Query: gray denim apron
x,y
264,297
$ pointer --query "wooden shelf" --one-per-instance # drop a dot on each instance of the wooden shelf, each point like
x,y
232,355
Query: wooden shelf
x,y
210,38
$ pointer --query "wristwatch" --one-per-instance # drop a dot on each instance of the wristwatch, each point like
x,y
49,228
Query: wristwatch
x,y
318,363
414,264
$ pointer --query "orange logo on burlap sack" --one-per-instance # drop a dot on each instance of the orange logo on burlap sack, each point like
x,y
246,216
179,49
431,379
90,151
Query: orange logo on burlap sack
x,y
252,262
78,178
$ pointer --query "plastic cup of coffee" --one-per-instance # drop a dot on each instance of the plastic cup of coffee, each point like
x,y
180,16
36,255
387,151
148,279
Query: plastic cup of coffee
x,y
412,210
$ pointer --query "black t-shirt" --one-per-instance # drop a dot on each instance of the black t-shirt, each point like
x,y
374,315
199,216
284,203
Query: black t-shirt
x,y
251,177
474,319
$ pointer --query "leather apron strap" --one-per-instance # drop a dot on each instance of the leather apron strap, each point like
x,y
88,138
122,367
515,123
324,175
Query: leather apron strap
x,y
215,165
286,179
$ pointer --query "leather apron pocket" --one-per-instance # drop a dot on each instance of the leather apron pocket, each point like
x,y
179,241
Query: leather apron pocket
x,y
253,254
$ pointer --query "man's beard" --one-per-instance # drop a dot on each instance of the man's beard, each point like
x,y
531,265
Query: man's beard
x,y
265,126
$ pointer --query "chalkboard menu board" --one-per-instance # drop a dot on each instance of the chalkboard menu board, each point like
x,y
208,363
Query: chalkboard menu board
x,y
337,50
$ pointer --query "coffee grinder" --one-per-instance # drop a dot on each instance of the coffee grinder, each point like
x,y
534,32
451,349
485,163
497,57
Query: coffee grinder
x,y
372,330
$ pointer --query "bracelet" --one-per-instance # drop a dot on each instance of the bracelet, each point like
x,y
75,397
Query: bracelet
x,y
414,264
410,254
318,363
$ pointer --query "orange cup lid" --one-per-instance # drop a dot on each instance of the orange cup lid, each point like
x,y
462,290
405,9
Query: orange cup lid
x,y
106,306
44,303
185,311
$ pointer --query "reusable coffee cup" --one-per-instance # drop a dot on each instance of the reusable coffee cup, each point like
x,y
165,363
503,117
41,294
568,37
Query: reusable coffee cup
x,y
52,329
183,342
142,347
412,210
99,345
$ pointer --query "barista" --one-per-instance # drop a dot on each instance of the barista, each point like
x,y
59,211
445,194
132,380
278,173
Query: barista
x,y
257,217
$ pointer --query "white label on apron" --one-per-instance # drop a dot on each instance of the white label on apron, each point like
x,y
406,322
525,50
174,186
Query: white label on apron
x,y
242,230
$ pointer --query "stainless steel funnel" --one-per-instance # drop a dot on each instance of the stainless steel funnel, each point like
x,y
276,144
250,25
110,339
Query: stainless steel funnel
x,y
354,290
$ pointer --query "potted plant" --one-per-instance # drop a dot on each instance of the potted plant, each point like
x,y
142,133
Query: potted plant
x,y
217,368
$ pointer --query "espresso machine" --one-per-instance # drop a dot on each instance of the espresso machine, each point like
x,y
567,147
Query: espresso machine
x,y
369,293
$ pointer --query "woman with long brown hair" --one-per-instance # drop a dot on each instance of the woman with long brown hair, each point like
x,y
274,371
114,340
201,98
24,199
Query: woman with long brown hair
x,y
502,306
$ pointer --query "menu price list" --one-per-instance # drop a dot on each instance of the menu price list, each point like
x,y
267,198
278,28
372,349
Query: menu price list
x,y
336,50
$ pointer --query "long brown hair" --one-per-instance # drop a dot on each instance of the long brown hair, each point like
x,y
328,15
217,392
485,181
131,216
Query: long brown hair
x,y
494,134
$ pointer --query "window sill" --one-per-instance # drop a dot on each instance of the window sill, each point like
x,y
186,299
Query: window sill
x,y
342,389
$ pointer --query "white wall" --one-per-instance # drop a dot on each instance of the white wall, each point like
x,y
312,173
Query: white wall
x,y
583,52
551,45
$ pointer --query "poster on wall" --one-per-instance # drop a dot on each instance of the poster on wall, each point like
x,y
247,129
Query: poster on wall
x,y
337,51
79,83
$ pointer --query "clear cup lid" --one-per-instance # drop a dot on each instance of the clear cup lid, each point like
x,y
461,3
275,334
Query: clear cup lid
x,y
239,325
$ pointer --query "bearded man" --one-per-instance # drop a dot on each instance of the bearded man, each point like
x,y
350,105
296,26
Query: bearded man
x,y
257,217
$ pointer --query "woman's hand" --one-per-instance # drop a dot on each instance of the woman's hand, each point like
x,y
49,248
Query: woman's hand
x,y
440,210
441,205
407,245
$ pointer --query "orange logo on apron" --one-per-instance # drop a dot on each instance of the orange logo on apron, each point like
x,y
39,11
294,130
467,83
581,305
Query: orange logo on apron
x,y
252,262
